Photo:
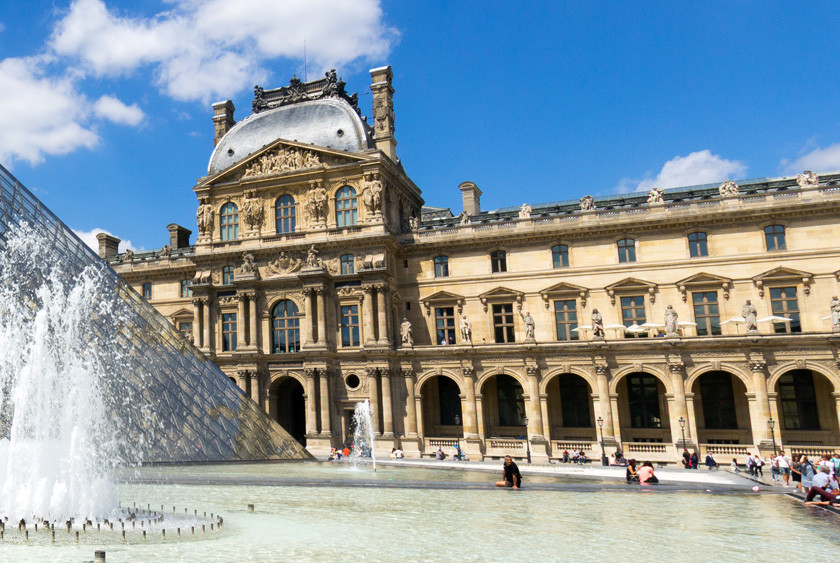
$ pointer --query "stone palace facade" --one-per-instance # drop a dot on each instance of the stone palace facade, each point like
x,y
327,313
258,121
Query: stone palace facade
x,y
700,316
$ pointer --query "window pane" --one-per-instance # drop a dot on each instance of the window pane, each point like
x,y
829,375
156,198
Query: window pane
x,y
285,214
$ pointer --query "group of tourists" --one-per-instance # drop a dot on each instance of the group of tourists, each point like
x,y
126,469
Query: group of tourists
x,y
336,454
575,456
643,475
397,453
797,471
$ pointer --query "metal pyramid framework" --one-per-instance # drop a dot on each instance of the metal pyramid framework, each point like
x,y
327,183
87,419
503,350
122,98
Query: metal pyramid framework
x,y
193,412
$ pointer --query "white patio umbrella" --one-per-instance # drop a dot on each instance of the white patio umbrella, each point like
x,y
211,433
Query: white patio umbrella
x,y
615,327
734,321
582,327
635,328
652,325
774,319
686,323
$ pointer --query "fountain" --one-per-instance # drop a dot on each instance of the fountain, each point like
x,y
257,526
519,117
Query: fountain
x,y
363,436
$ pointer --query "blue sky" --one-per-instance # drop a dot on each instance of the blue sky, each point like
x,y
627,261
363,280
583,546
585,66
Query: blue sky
x,y
105,105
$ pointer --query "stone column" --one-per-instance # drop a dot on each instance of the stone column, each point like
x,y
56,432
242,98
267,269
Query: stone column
x,y
760,411
546,422
470,416
680,410
418,410
387,409
367,312
320,296
311,406
196,331
535,423
240,320
384,335
410,411
255,386
205,327
373,396
308,325
326,407
604,403
252,319
242,380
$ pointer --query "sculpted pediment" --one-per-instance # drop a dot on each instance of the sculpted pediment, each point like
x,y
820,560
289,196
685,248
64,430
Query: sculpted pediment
x,y
281,158
564,289
703,279
501,294
783,274
631,285
181,313
442,297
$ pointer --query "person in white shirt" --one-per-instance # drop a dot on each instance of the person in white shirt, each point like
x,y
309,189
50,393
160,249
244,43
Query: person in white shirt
x,y
825,486
783,463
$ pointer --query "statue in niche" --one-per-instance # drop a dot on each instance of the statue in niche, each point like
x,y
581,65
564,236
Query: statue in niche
x,y
529,325
808,180
359,262
728,189
466,329
405,333
750,314
253,212
413,223
204,217
597,324
316,204
312,260
671,326
372,195
525,211
284,264
587,203
835,314
656,196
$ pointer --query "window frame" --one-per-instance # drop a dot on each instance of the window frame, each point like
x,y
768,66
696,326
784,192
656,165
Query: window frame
x,y
441,266
719,400
778,233
648,409
795,326
508,329
560,256
351,334
229,331
626,253
346,207
285,214
443,328
701,246
347,264
706,316
498,261
806,405
568,324
229,222
634,318
186,288
286,324
228,276
146,290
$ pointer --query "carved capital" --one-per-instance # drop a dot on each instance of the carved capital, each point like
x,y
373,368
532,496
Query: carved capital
x,y
676,368
409,373
602,369
468,371
369,289
758,366
254,374
533,371
371,372
310,373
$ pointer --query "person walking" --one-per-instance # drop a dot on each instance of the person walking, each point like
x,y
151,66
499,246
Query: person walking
x,y
710,462
796,472
695,461
783,464
751,462
806,469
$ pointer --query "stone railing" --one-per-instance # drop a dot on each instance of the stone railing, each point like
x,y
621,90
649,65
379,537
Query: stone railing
x,y
435,443
813,451
585,446
507,444
645,448
726,449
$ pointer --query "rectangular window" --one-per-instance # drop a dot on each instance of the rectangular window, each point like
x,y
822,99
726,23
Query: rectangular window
x,y
350,325
643,398
799,401
706,313
503,323
718,401
785,304
698,245
498,261
774,237
186,329
186,290
575,399
560,256
228,332
633,312
445,325
147,290
565,319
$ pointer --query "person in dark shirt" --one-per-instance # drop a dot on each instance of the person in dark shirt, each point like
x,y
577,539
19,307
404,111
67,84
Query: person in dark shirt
x,y
510,475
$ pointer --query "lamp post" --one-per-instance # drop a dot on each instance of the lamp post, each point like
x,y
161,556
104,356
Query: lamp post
x,y
527,442
772,424
682,428
458,436
604,460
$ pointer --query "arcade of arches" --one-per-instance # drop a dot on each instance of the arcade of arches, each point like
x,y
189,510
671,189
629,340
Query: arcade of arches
x,y
647,413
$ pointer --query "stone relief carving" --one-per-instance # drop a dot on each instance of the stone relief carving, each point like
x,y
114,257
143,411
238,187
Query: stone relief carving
x,y
656,196
383,116
587,203
204,217
285,264
284,159
728,189
316,204
808,179
525,211
248,266
835,314
372,195
253,212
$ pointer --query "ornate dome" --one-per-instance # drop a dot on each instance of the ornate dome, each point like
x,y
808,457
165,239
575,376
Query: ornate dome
x,y
326,122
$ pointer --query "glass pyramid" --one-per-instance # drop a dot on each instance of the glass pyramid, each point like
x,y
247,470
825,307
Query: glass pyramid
x,y
169,401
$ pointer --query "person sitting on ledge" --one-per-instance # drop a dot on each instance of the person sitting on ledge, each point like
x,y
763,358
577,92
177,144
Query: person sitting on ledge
x,y
632,474
511,477
825,486
582,457
646,476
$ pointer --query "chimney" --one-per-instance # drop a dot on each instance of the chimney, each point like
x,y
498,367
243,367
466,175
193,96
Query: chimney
x,y
471,196
383,111
222,119
179,237
109,245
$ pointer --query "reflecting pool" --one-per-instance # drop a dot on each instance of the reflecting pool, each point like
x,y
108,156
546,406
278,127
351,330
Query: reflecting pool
x,y
352,517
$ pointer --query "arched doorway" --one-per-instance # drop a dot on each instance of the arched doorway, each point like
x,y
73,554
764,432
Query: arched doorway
x,y
503,407
643,409
441,404
807,410
289,407
571,413
721,409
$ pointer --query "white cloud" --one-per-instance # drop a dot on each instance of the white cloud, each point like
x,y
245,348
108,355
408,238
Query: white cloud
x,y
41,114
203,49
818,160
89,238
112,109
700,167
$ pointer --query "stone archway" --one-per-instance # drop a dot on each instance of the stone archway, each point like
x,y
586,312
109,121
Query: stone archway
x,y
643,410
721,409
288,406
503,407
807,410
441,407
571,412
